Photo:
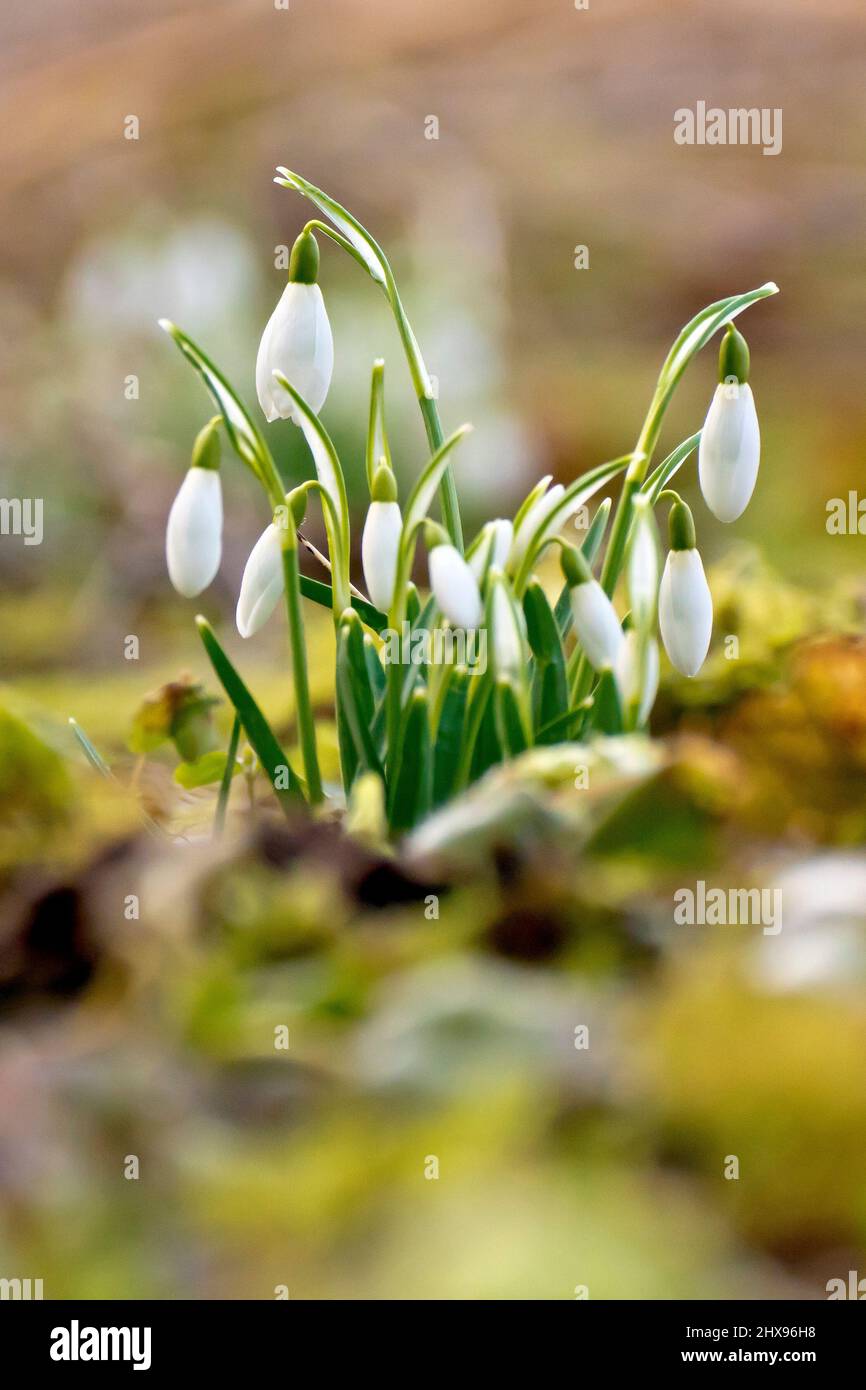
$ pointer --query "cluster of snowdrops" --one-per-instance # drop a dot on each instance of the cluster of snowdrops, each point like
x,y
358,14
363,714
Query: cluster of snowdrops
x,y
555,668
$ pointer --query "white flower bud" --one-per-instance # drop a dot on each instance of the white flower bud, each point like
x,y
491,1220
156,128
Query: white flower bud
x,y
454,586
536,515
638,686
263,582
508,655
497,539
297,342
596,625
685,611
380,548
730,451
193,536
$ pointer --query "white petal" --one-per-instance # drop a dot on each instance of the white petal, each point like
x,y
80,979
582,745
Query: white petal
x,y
596,624
643,572
730,451
538,513
503,534
380,546
685,611
508,653
495,543
628,674
297,341
454,587
193,536
262,583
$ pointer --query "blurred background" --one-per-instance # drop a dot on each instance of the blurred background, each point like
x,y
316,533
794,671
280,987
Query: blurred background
x,y
555,131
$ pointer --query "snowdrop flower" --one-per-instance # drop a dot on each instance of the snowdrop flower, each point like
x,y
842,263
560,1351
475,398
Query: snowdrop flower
x,y
264,580
495,543
685,603
297,340
380,543
508,651
596,625
193,536
536,513
730,447
643,566
262,583
637,674
454,586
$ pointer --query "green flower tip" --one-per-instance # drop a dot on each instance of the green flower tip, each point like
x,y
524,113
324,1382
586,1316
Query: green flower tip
x,y
734,356
297,500
384,487
206,449
574,566
304,261
434,535
681,527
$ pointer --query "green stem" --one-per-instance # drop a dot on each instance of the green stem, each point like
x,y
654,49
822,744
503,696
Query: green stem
x,y
447,487
303,705
420,381
219,819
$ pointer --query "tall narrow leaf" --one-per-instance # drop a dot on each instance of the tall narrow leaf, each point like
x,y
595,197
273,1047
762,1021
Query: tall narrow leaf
x,y
283,779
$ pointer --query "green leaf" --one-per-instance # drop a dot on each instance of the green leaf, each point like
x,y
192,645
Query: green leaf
x,y
510,725
204,771
367,250
257,728
549,680
411,783
449,733
323,594
487,751
375,671
698,331
661,476
413,605
231,767
245,437
476,711
377,435
333,487
530,499
355,695
574,496
607,713
419,502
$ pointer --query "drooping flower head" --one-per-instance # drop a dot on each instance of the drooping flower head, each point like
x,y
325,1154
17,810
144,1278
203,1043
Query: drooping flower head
x,y
685,602
596,624
454,586
730,447
297,340
263,579
193,535
380,543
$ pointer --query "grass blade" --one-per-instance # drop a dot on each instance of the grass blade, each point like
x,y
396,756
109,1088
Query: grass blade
x,y
257,728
